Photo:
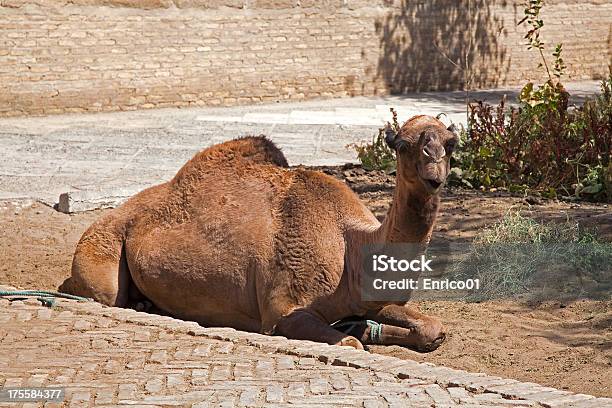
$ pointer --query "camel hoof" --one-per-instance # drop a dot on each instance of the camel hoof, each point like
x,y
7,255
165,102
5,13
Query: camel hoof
x,y
429,347
352,342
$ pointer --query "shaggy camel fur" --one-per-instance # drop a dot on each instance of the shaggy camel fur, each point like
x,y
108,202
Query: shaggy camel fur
x,y
235,239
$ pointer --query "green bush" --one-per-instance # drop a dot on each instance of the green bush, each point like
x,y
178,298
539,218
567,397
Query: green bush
x,y
544,147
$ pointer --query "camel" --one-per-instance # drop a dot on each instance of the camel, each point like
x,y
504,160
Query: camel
x,y
237,239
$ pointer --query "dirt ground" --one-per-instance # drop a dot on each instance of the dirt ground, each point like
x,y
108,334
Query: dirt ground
x,y
564,345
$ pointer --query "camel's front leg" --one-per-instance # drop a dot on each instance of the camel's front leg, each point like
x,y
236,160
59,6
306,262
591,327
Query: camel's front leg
x,y
406,326
304,325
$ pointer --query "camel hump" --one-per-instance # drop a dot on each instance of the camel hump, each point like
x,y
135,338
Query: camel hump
x,y
258,149
253,149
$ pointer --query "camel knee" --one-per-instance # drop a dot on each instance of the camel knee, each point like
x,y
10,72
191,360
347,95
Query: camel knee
x,y
351,342
104,280
91,285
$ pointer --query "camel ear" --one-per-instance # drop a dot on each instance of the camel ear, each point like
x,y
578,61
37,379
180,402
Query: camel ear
x,y
390,136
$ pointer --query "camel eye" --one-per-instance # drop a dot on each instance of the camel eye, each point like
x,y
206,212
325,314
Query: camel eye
x,y
401,146
450,146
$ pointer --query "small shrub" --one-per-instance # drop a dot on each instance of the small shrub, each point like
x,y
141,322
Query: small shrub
x,y
519,256
377,155
550,96
542,145
552,151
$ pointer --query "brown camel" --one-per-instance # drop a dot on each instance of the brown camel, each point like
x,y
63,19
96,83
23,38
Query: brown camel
x,y
235,239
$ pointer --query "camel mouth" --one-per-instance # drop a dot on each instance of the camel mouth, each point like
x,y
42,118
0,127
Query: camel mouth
x,y
433,184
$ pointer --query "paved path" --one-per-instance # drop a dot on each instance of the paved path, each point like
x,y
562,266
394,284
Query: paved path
x,y
119,357
123,152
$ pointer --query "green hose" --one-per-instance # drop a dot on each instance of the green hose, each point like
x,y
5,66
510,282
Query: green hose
x,y
46,297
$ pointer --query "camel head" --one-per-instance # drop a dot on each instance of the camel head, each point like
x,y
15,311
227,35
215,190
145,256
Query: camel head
x,y
424,147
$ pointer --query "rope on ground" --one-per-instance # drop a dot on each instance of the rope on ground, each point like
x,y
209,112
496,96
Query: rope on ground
x,y
46,297
347,326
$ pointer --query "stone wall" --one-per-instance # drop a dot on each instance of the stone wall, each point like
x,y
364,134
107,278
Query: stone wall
x,y
98,55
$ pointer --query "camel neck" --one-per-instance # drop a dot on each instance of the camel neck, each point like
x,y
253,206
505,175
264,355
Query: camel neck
x,y
410,218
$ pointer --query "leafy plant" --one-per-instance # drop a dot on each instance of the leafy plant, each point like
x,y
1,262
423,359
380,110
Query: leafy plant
x,y
551,95
377,155
542,145
554,152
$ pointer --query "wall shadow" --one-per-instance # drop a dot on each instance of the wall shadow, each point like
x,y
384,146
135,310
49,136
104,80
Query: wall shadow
x,y
419,39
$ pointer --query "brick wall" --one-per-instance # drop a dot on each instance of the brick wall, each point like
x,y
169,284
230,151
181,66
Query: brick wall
x,y
96,55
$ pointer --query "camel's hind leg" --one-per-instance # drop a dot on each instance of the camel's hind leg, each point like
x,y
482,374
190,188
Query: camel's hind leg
x,y
99,268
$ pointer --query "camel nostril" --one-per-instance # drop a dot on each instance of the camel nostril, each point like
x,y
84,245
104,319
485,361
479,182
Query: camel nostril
x,y
429,151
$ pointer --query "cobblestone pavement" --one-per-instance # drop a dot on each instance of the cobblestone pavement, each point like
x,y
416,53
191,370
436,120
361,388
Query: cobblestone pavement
x,y
124,152
118,357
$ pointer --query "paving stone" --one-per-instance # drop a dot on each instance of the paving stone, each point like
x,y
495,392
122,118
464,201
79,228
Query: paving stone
x,y
274,393
176,381
340,383
249,397
319,386
439,395
220,372
592,403
79,399
296,389
127,391
374,404
285,363
225,348
142,335
493,398
82,325
243,369
459,394
199,377
154,385
202,350
128,359
105,396
44,314
24,316
159,356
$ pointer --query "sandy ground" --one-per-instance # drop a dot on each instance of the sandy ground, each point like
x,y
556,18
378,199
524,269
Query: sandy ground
x,y
564,345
